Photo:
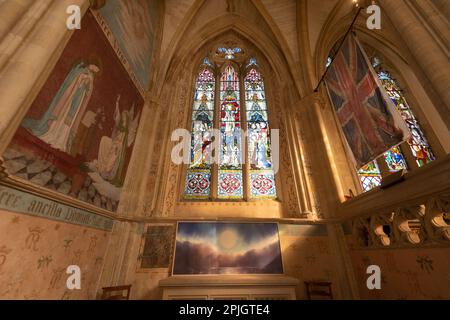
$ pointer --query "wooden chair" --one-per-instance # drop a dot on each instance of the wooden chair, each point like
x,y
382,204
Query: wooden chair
x,y
116,293
318,290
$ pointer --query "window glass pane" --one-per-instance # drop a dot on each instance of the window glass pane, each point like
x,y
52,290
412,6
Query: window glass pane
x,y
262,178
395,160
262,184
198,184
198,177
419,144
370,176
230,183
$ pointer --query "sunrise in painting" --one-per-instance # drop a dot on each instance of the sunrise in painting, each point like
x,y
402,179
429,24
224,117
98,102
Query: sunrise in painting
x,y
227,248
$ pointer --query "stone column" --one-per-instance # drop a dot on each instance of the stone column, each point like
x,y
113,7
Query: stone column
x,y
32,36
115,256
348,286
133,193
418,29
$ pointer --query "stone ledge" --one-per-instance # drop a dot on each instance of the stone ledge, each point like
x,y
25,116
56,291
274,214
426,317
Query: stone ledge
x,y
229,281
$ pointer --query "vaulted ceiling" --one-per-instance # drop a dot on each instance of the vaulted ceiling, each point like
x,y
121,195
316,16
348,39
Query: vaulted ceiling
x,y
281,21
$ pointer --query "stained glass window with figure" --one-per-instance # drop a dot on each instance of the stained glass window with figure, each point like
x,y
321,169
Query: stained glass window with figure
x,y
230,183
244,169
198,177
370,175
418,143
262,177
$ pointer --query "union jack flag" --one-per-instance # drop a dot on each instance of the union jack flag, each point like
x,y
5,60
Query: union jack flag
x,y
370,122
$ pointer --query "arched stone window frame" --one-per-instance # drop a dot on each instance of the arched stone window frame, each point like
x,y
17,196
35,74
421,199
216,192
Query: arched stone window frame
x,y
242,66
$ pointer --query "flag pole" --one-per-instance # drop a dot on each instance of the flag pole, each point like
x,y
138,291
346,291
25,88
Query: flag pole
x,y
339,47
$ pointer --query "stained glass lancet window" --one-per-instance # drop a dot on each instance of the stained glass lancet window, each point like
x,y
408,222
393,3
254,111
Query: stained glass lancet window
x,y
262,178
198,177
370,176
237,167
419,144
395,160
230,183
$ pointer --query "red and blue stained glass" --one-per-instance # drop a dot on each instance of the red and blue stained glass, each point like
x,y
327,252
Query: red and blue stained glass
x,y
198,178
262,184
198,184
395,160
418,142
262,178
370,176
230,183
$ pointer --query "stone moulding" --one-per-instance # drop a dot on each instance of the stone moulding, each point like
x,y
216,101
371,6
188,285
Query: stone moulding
x,y
411,214
20,201
27,187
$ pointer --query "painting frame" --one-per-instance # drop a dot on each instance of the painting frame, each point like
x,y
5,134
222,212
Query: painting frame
x,y
139,268
174,251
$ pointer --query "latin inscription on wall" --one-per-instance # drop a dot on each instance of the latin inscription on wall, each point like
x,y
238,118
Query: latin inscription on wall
x,y
21,202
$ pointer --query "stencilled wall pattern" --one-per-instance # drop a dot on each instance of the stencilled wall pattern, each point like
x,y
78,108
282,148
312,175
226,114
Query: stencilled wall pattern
x,y
406,274
307,256
44,249
305,251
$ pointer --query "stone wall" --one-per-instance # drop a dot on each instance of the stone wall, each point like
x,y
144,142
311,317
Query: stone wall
x,y
406,274
306,256
35,253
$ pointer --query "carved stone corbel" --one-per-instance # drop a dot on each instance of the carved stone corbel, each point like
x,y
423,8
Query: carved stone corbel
x,y
437,228
377,225
408,225
361,233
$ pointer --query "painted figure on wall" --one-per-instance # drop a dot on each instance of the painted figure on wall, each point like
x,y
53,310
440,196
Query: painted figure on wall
x,y
113,150
59,125
78,134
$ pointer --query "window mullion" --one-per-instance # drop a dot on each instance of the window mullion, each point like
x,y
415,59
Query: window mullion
x,y
244,127
384,168
216,126
409,157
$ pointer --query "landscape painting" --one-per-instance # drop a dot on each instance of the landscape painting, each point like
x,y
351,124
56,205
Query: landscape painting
x,y
78,135
133,24
227,248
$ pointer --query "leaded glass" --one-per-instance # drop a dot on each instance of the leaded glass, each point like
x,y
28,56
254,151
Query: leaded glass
x,y
370,176
198,178
395,160
262,184
419,144
230,160
262,178
230,184
198,184
231,156
229,53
